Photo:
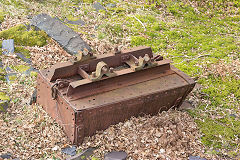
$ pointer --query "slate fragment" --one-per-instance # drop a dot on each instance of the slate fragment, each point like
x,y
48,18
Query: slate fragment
x,y
84,155
65,36
70,150
27,60
6,156
98,6
8,46
114,155
195,158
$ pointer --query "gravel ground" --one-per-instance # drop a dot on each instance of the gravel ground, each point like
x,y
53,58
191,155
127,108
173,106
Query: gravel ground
x,y
27,132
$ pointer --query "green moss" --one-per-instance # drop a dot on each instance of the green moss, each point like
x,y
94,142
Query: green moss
x,y
2,71
4,96
24,51
21,68
23,37
2,16
33,74
12,78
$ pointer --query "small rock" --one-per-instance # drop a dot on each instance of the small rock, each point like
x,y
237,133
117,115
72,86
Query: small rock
x,y
77,22
116,156
70,150
186,105
6,156
8,45
56,147
27,60
34,97
111,5
195,158
98,6
162,150
84,155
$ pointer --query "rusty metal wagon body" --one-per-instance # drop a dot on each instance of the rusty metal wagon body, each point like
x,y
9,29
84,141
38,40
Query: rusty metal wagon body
x,y
91,95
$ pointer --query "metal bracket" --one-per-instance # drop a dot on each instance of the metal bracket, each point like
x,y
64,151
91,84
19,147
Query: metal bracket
x,y
101,70
84,55
141,62
60,83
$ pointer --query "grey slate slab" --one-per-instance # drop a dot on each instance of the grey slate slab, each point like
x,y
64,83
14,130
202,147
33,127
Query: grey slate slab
x,y
77,22
98,6
114,155
65,36
8,45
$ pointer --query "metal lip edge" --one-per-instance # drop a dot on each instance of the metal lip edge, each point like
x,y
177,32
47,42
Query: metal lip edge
x,y
111,103
183,75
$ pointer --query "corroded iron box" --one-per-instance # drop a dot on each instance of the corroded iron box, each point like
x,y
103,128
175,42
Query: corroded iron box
x,y
91,95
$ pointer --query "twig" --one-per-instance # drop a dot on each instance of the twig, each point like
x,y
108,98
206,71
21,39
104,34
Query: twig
x,y
140,22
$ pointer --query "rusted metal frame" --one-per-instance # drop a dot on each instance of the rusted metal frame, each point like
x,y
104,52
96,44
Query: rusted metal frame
x,y
119,73
58,109
123,110
85,87
190,87
59,70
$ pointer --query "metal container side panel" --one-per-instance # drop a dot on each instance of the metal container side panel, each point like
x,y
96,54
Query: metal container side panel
x,y
100,118
58,109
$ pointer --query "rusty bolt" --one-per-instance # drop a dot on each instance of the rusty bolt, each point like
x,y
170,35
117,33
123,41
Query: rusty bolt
x,y
104,69
111,70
